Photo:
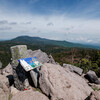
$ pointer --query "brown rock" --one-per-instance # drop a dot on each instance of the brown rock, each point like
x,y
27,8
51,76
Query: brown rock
x,y
61,84
4,80
95,95
29,95
95,86
3,95
14,90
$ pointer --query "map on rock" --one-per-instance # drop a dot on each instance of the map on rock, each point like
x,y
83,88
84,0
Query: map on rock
x,y
29,63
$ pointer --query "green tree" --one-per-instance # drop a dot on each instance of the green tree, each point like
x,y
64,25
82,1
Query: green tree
x,y
85,64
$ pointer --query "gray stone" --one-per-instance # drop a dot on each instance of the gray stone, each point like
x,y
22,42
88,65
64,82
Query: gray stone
x,y
95,95
92,77
29,95
51,60
61,84
13,90
4,80
7,70
41,56
18,52
3,95
0,64
4,88
73,68
34,77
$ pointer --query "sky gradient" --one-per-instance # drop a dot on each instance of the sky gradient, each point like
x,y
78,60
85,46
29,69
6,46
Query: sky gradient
x,y
70,20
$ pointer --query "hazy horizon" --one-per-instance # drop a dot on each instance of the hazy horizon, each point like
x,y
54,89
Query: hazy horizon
x,y
53,39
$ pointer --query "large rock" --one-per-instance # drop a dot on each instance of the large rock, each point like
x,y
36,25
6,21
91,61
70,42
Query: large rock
x,y
4,88
0,64
3,95
4,80
95,95
20,75
29,95
13,90
94,86
92,77
61,84
41,56
73,68
7,70
51,60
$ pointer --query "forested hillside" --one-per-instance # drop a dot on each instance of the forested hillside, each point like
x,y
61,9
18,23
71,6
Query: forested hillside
x,y
86,58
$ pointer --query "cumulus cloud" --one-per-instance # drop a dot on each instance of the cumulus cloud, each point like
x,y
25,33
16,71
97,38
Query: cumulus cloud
x,y
5,28
3,22
13,23
28,22
50,24
63,27
34,28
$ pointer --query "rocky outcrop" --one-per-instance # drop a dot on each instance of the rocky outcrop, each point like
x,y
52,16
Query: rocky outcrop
x,y
94,86
95,95
42,56
7,70
4,88
0,64
13,90
19,74
73,68
51,60
4,80
92,77
3,95
29,95
61,84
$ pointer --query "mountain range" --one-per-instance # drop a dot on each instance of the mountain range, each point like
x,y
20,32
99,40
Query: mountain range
x,y
45,42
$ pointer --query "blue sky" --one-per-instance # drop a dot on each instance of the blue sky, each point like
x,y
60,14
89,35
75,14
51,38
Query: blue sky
x,y
70,20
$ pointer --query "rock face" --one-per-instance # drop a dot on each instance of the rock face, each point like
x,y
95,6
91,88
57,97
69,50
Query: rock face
x,y
29,95
4,90
14,90
0,64
51,60
92,77
61,84
4,80
73,68
3,95
20,76
7,70
95,95
42,56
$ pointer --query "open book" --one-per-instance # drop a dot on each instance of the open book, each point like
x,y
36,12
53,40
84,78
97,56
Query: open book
x,y
29,63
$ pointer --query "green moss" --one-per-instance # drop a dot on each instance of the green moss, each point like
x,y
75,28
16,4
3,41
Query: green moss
x,y
10,96
38,89
96,89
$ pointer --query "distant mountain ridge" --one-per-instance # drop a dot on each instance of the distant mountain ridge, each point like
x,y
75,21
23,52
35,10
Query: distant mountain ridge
x,y
43,41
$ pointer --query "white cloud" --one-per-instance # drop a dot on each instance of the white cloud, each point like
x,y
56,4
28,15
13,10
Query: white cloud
x,y
64,28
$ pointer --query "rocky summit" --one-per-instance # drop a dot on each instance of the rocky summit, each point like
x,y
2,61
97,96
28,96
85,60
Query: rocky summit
x,y
61,84
50,81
